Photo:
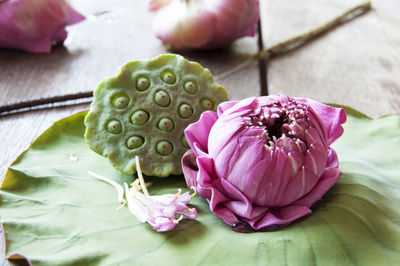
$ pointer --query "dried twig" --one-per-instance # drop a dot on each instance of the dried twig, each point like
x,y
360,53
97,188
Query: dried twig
x,y
43,103
302,39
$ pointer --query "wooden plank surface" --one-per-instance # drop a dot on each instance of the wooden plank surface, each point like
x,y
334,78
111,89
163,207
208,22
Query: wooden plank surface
x,y
114,32
357,64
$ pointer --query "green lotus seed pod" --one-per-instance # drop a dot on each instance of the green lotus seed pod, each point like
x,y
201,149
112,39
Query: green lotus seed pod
x,y
144,110
162,98
164,147
185,110
134,142
139,117
190,87
142,83
166,124
114,127
121,101
168,77
206,104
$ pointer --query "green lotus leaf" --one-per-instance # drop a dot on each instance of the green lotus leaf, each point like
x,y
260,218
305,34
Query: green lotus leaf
x,y
54,213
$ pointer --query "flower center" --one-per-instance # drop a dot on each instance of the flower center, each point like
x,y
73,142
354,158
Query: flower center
x,y
283,124
275,128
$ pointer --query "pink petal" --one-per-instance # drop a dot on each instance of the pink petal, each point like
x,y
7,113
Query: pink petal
x,y
279,216
170,205
162,224
190,213
176,27
155,5
222,107
252,28
233,164
332,117
189,168
231,16
205,24
223,133
34,25
207,188
329,178
239,204
238,108
198,132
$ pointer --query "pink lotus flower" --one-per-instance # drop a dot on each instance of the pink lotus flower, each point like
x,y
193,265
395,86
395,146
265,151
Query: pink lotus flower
x,y
263,162
34,25
204,24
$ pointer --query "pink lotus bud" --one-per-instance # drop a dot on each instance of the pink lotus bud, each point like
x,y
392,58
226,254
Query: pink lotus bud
x,y
204,24
34,25
262,162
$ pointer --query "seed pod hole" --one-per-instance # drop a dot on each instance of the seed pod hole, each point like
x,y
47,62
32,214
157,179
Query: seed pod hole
x,y
162,98
185,110
120,101
142,83
190,87
134,142
139,117
168,77
166,124
206,104
164,147
114,127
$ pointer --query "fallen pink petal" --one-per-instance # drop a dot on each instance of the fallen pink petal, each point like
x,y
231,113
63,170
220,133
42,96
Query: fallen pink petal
x,y
263,162
159,211
34,26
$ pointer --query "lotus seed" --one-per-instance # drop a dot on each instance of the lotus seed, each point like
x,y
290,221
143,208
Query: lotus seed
x,y
164,147
184,141
168,77
142,83
121,101
139,117
166,124
190,87
114,127
206,104
134,142
162,98
185,110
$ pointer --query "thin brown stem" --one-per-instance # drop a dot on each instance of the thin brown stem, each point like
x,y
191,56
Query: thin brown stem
x,y
44,101
301,39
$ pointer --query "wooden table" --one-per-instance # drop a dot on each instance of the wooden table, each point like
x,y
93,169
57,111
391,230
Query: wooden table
x,y
357,64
